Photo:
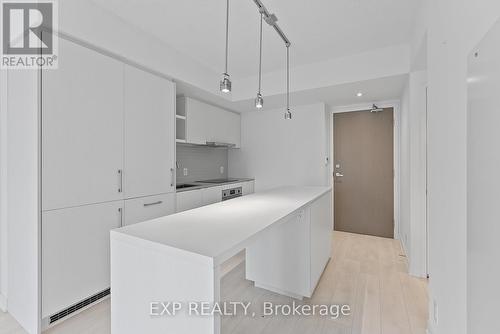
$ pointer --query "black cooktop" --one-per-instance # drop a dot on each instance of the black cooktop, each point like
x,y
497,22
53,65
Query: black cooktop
x,y
219,181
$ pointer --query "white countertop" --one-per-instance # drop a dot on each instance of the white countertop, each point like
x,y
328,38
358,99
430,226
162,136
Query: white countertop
x,y
215,229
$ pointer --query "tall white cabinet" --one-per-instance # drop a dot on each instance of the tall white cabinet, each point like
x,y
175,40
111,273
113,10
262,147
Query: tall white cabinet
x,y
108,158
149,111
82,129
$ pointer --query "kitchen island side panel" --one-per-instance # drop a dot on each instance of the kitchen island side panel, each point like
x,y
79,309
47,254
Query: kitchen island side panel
x,y
143,273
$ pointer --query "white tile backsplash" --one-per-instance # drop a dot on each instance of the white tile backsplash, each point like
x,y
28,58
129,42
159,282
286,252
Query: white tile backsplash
x,y
200,163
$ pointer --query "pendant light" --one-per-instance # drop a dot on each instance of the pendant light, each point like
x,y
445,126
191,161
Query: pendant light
x,y
259,101
225,84
288,114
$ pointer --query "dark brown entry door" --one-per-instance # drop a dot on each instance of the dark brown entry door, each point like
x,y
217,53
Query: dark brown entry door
x,y
363,172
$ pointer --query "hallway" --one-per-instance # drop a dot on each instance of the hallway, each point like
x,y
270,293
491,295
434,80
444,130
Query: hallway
x,y
368,273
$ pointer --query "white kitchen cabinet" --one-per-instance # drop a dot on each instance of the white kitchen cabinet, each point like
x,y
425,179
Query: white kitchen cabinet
x,y
212,195
300,247
82,128
75,253
284,246
321,221
191,199
247,187
187,200
145,208
208,123
149,139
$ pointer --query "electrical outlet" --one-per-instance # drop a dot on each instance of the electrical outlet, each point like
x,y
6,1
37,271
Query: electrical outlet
x,y
185,172
221,169
435,307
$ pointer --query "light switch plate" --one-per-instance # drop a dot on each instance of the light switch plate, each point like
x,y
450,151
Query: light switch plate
x,y
221,169
185,172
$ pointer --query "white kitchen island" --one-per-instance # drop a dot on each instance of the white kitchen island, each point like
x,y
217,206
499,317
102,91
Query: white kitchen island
x,y
286,233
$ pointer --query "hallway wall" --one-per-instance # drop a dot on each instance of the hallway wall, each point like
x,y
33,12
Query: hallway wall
x,y
453,28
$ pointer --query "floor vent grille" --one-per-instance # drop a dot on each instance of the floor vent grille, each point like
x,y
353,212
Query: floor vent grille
x,y
78,306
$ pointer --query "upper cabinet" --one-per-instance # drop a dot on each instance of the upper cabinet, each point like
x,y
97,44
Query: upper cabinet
x,y
206,123
108,130
82,128
149,134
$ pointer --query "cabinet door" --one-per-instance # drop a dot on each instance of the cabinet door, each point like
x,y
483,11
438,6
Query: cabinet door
x,y
248,187
145,208
197,122
210,123
82,128
321,236
284,246
187,200
212,195
75,253
226,126
149,134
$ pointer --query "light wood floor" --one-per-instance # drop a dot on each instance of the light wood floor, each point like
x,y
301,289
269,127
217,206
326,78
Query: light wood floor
x,y
367,273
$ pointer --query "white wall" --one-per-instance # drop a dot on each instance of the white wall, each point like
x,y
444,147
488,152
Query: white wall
x,y
404,216
483,184
3,190
23,203
280,152
413,173
454,28
418,173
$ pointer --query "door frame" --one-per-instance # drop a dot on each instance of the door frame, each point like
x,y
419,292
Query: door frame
x,y
396,105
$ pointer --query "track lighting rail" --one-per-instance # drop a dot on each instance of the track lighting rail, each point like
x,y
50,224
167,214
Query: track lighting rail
x,y
271,19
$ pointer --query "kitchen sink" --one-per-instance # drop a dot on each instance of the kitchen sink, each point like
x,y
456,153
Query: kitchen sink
x,y
184,186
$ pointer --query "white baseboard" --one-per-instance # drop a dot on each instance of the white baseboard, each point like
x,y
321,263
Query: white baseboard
x,y
3,303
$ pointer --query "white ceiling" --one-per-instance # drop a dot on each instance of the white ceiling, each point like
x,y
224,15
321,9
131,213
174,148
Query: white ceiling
x,y
382,89
319,29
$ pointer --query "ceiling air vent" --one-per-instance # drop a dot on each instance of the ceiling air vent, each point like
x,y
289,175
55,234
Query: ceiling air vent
x,y
78,306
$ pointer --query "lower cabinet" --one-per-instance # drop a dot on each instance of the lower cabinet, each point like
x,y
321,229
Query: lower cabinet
x,y
145,208
300,247
190,199
247,187
212,195
75,253
187,200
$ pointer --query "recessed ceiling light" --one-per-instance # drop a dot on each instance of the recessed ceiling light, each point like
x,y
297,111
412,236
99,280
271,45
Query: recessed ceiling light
x,y
359,94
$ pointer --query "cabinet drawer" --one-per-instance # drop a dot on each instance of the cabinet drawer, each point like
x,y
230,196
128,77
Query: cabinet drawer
x,y
145,208
187,200
212,195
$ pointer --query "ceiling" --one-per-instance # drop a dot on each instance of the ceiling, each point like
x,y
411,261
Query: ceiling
x,y
381,89
319,30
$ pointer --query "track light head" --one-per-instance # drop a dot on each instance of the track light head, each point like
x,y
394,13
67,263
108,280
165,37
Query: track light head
x,y
225,84
259,101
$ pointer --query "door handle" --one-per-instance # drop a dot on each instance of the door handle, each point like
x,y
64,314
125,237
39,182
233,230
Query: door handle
x,y
171,177
120,180
339,175
151,204
120,210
